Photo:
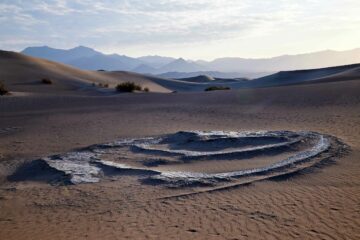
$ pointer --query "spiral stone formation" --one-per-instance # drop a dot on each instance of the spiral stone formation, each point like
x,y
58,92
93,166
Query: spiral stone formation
x,y
199,158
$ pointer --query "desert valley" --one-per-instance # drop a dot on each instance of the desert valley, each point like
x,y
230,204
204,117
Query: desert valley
x,y
179,120
40,200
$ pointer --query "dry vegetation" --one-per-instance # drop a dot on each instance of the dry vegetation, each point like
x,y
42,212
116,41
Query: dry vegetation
x,y
215,88
46,81
103,85
130,87
3,90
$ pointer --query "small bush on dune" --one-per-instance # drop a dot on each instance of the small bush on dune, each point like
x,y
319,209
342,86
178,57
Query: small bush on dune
x,y
146,89
3,90
215,88
128,87
46,81
103,85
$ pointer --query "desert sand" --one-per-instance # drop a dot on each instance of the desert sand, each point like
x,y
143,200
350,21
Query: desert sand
x,y
320,202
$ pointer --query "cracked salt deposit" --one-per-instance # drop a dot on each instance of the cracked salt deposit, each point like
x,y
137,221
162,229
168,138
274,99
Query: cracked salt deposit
x,y
86,166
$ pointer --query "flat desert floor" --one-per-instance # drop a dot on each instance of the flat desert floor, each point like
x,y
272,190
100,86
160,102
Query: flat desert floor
x,y
319,203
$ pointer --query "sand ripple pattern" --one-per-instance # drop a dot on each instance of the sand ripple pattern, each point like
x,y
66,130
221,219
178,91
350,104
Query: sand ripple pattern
x,y
145,155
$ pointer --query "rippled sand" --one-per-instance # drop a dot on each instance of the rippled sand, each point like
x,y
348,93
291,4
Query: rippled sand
x,y
320,202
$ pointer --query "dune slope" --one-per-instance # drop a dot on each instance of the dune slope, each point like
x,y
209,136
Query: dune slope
x,y
339,73
315,204
22,73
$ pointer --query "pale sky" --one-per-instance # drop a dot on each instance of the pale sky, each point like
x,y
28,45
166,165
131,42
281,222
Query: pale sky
x,y
199,29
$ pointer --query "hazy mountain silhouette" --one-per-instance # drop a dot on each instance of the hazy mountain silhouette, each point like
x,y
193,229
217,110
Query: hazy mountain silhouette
x,y
106,62
156,61
181,65
60,55
320,59
90,59
143,68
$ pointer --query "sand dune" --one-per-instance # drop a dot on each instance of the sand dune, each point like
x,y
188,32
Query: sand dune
x,y
22,73
57,121
319,203
340,73
198,79
312,76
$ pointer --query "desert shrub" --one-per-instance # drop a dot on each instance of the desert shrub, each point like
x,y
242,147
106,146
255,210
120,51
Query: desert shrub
x,y
146,89
103,85
215,88
46,81
128,87
3,90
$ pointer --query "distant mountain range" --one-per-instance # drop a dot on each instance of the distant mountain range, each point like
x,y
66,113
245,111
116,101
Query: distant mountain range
x,y
90,59
22,73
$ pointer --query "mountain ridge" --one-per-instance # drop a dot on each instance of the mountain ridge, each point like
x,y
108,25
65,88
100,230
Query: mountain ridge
x,y
89,59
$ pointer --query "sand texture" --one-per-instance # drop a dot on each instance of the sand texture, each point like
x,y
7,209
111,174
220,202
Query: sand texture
x,y
322,201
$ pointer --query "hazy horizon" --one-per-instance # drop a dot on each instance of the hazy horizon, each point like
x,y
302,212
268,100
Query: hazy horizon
x,y
188,59
201,30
